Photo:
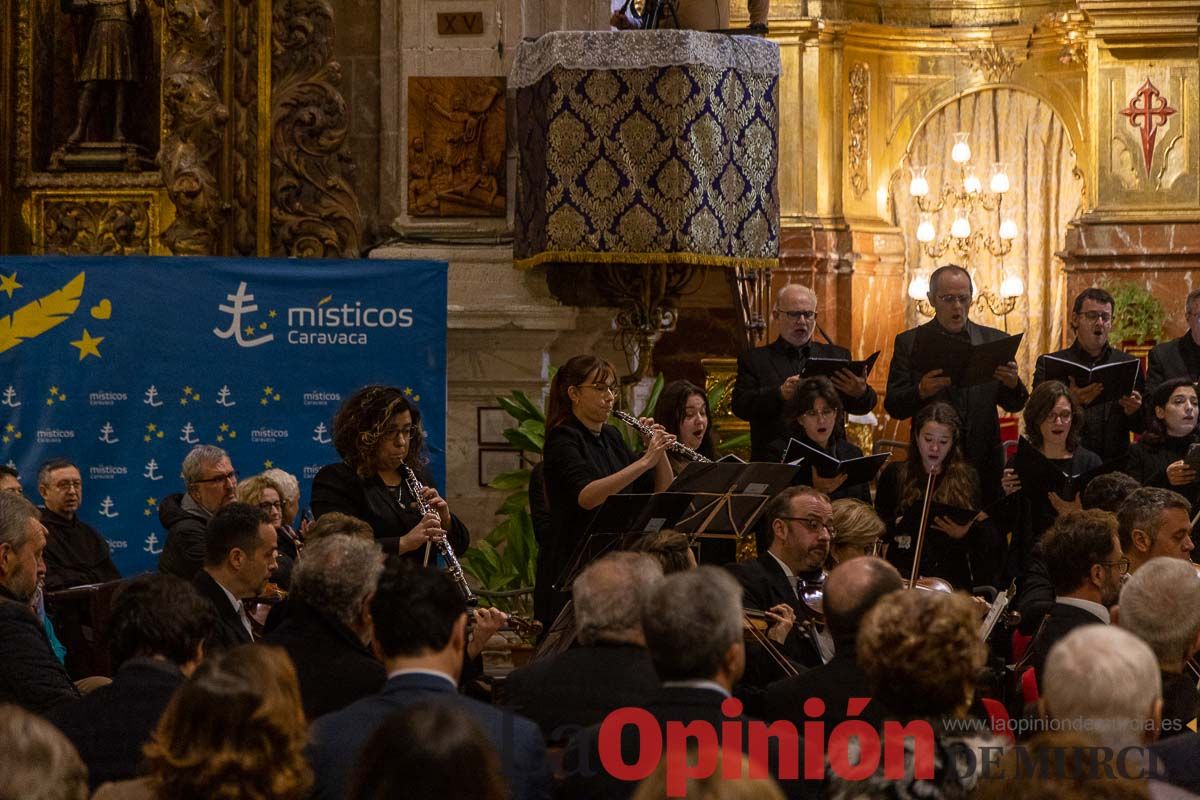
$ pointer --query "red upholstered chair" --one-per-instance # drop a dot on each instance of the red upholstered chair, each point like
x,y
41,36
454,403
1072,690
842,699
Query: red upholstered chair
x,y
1020,643
999,718
1029,687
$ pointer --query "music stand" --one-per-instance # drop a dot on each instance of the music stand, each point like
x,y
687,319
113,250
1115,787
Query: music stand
x,y
620,521
729,496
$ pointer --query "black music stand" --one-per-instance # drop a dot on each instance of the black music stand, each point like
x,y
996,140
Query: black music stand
x,y
620,521
729,496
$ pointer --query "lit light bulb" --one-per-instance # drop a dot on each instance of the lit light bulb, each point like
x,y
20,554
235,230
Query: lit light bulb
x,y
999,178
925,230
1012,286
961,152
971,182
918,287
961,229
919,185
1008,230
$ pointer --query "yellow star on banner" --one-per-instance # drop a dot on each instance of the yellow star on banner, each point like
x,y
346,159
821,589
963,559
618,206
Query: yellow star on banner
x,y
146,438
233,434
8,283
9,427
272,314
408,391
183,401
4,439
196,396
276,398
53,390
88,345
187,390
17,435
159,434
50,401
152,427
263,401
150,501
268,464
224,426
267,390
63,396
262,325
146,512
220,438
249,330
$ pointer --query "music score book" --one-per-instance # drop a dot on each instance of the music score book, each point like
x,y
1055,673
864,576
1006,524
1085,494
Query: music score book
x,y
830,366
965,364
861,469
1119,378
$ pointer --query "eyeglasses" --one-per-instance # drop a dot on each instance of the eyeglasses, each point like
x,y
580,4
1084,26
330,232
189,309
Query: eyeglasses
x,y
1059,416
814,524
1122,565
267,505
224,477
63,486
796,316
951,299
602,388
813,413
398,434
1105,317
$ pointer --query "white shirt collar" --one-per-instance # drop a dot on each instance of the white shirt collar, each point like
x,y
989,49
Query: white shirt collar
x,y
238,606
786,569
435,673
1087,605
698,684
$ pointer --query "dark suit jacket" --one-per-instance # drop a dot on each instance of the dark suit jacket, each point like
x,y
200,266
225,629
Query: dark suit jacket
x,y
756,397
229,630
1062,620
588,780
765,585
109,725
334,667
1106,425
30,675
1166,361
1181,702
339,738
834,683
579,687
976,405
1180,756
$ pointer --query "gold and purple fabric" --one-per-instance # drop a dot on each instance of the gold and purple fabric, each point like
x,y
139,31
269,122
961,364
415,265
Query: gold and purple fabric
x,y
647,147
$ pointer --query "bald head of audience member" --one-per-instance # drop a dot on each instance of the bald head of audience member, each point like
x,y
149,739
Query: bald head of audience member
x,y
1103,679
609,596
851,590
1160,604
1154,522
693,626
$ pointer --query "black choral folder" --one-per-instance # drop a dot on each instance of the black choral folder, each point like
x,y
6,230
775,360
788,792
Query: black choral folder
x,y
829,366
861,469
965,364
1119,378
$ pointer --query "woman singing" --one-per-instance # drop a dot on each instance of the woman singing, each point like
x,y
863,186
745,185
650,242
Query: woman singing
x,y
586,462
1157,460
377,432
682,409
965,554
818,420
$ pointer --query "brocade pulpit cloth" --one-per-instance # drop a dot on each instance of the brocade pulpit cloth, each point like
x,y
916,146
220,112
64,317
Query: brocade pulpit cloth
x,y
647,147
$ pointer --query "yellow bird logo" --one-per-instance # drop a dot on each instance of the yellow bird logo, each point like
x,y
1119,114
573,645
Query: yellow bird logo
x,y
34,319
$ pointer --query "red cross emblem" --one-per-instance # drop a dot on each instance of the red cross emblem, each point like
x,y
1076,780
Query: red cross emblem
x,y
1152,111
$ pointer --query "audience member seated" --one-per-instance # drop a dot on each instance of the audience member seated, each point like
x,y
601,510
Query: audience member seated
x,y
76,553
235,730
1083,557
851,590
1063,765
333,523
1160,604
1154,522
211,484
156,636
857,531
239,557
262,492
36,761
921,654
429,751
327,630
30,675
693,626
10,479
420,621
669,548
717,786
290,496
1108,491
1157,459
610,668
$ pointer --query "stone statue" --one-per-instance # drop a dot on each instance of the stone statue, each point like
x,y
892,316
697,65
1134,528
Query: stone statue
x,y
111,61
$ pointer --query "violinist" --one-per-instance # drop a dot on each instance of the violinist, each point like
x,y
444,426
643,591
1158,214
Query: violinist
x,y
964,552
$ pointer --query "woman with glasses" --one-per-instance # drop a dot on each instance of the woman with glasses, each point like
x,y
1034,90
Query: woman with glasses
x,y
586,461
965,552
1158,459
264,493
377,432
1054,425
816,417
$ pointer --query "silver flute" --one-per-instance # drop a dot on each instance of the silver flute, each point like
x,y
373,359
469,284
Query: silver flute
x,y
677,447
417,490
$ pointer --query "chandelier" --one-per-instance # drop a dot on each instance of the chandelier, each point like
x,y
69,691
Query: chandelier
x,y
963,241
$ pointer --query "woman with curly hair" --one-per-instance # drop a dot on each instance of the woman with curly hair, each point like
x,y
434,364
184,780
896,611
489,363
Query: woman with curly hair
x,y
265,493
235,731
377,432
966,553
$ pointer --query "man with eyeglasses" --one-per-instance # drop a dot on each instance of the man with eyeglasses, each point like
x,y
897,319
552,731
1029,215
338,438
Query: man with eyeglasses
x,y
1086,565
767,376
211,484
791,563
1178,358
1107,425
76,553
908,391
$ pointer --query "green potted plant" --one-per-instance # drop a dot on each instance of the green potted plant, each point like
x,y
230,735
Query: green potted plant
x,y
1137,316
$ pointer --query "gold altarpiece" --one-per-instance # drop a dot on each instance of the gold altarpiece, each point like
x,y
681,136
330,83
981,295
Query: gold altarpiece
x,y
234,139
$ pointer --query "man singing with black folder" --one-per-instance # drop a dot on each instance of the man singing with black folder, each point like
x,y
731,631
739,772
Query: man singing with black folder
x,y
909,389
1108,422
768,376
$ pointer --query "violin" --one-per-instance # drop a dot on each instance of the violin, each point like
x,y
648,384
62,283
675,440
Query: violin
x,y
914,580
756,624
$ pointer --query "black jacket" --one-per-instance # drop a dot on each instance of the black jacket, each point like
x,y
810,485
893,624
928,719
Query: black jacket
x,y
756,397
76,553
579,687
30,675
229,630
1106,425
765,585
1181,702
109,725
976,405
1178,358
183,551
1148,464
334,667
1180,756
835,683
1062,620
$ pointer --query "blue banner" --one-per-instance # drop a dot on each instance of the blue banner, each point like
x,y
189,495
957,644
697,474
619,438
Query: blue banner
x,y
123,364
